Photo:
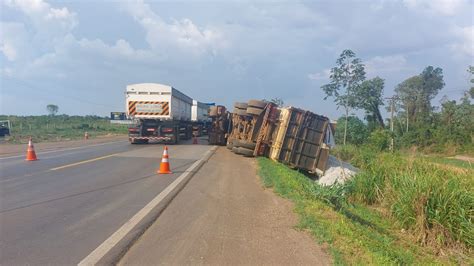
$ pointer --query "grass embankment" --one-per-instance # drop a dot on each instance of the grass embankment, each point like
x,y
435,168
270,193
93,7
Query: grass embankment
x,y
397,210
60,127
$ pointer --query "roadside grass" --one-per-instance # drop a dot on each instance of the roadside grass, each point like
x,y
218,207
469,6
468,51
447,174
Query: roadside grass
x,y
372,220
59,127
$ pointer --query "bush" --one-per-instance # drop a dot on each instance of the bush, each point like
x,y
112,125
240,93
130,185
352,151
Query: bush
x,y
357,131
380,139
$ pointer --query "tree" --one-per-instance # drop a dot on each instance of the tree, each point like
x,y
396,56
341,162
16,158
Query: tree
x,y
357,131
345,77
368,96
278,101
52,109
447,112
417,92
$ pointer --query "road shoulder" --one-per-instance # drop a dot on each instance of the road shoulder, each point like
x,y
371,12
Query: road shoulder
x,y
225,216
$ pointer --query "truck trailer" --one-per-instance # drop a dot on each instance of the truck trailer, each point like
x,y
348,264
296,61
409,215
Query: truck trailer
x,y
200,118
160,113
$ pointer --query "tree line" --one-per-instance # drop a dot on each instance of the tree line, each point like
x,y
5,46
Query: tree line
x,y
416,122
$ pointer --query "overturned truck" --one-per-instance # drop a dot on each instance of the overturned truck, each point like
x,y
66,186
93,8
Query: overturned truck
x,y
288,135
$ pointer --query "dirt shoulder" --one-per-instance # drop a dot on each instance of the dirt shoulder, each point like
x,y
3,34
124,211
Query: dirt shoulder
x,y
464,158
224,216
8,149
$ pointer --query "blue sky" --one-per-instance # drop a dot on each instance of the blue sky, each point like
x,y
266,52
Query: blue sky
x,y
80,55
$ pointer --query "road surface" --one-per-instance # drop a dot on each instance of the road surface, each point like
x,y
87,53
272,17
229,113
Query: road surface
x,y
224,216
59,209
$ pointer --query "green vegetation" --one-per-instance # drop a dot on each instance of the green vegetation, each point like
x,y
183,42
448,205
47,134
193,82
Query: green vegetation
x,y
417,123
397,210
346,77
59,127
431,198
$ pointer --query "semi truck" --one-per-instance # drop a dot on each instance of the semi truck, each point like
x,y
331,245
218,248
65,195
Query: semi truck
x,y
200,118
160,113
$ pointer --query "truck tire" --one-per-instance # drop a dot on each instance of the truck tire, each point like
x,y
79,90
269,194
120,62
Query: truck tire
x,y
213,111
245,152
247,144
240,105
257,103
240,112
235,150
235,143
254,111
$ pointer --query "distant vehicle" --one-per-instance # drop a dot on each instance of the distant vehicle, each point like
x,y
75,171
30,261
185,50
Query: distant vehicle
x,y
200,118
160,112
4,128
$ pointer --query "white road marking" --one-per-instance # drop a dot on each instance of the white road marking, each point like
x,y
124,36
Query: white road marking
x,y
68,149
83,162
96,255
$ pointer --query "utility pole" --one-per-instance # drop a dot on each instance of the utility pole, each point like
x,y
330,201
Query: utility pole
x,y
392,109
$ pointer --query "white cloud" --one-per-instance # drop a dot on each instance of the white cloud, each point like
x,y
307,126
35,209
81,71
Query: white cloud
x,y
465,45
182,34
323,75
43,15
386,65
13,40
442,7
376,66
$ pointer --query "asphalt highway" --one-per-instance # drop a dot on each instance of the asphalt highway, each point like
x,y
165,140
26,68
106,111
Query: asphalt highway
x,y
58,209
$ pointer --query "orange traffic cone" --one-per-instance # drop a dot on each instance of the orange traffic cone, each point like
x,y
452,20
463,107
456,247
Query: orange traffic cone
x,y
30,152
165,164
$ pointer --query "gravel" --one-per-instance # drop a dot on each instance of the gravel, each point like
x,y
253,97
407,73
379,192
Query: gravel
x,y
337,171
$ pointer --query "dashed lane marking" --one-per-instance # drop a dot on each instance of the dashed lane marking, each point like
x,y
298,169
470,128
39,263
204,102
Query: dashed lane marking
x,y
83,162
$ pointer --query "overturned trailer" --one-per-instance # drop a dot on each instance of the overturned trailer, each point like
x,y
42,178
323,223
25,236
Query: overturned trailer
x,y
299,140
290,135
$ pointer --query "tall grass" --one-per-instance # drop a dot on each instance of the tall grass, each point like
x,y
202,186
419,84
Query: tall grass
x,y
356,235
436,204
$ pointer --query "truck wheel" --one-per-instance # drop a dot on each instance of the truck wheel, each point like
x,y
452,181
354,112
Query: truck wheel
x,y
254,111
257,103
245,152
235,143
247,144
240,105
235,150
